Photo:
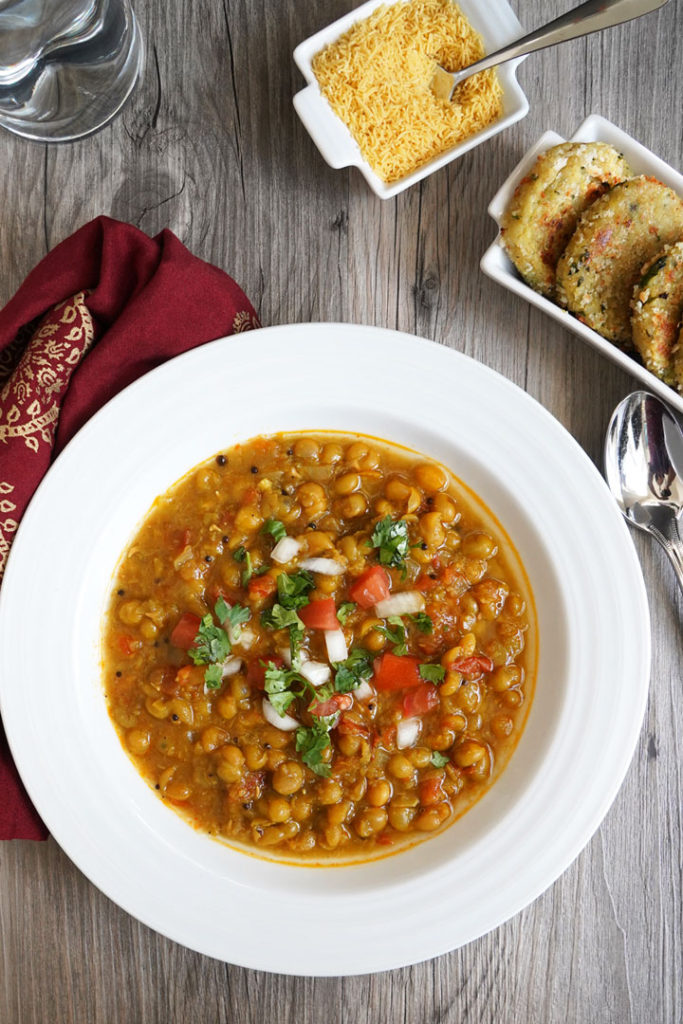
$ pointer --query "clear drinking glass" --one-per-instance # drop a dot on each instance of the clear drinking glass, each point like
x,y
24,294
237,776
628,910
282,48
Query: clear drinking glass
x,y
66,66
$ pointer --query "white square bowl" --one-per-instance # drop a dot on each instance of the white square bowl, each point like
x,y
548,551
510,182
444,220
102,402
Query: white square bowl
x,y
496,263
497,25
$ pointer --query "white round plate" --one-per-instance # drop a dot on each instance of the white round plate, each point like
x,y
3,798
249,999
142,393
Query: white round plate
x,y
593,653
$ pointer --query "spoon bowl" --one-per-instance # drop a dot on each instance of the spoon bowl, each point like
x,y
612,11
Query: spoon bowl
x,y
644,470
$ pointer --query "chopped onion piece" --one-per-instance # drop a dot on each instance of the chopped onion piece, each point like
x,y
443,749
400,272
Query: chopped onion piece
x,y
231,667
316,672
284,722
335,643
407,731
285,550
324,566
364,691
406,602
245,639
286,655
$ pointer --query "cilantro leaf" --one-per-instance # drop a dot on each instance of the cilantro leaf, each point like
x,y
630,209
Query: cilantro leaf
x,y
278,682
232,618
293,588
221,609
279,617
281,701
241,554
311,743
391,537
211,643
344,610
351,673
438,759
432,673
296,635
275,528
423,622
213,677
395,633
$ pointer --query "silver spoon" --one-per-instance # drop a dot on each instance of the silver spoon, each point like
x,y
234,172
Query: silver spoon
x,y
593,16
644,470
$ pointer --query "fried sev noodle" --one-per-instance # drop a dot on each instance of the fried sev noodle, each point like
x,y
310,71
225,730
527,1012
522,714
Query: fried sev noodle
x,y
376,78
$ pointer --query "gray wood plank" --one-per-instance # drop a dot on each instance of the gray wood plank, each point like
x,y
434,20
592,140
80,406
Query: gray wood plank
x,y
211,148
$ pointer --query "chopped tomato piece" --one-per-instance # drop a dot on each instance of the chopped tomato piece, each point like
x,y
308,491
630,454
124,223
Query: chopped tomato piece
x,y
190,677
372,586
126,644
396,672
350,727
473,666
430,791
247,789
320,614
385,738
256,672
426,582
185,630
169,683
421,700
229,596
261,586
181,538
337,702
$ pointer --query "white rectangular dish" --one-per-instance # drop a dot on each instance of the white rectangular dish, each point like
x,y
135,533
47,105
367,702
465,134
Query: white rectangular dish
x,y
496,23
497,265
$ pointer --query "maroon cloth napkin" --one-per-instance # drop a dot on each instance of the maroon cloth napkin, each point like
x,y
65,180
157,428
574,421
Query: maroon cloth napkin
x,y
101,309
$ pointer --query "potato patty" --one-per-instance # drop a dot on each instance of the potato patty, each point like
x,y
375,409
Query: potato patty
x,y
677,359
547,203
614,238
657,306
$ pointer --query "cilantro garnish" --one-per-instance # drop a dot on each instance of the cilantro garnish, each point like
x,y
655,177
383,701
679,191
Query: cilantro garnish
x,y
275,528
344,610
351,673
432,673
213,677
395,633
279,617
310,743
211,643
423,622
241,554
438,759
232,618
293,588
391,537
277,685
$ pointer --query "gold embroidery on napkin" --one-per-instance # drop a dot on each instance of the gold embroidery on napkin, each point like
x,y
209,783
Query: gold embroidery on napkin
x,y
43,372
7,526
244,321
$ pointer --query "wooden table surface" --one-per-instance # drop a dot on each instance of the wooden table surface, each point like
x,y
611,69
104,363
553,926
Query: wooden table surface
x,y
210,147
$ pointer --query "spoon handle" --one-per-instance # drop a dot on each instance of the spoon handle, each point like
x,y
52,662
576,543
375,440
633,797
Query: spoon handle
x,y
669,537
592,16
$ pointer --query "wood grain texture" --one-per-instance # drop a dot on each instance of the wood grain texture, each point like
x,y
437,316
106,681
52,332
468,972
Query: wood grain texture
x,y
210,147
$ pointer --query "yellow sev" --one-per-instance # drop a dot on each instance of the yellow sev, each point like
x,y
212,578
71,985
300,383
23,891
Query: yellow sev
x,y
376,78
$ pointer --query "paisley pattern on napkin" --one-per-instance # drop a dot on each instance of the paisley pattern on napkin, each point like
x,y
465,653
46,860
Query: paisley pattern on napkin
x,y
29,403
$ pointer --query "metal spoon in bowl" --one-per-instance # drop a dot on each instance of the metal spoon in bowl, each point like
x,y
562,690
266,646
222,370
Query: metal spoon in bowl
x,y
593,16
644,470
